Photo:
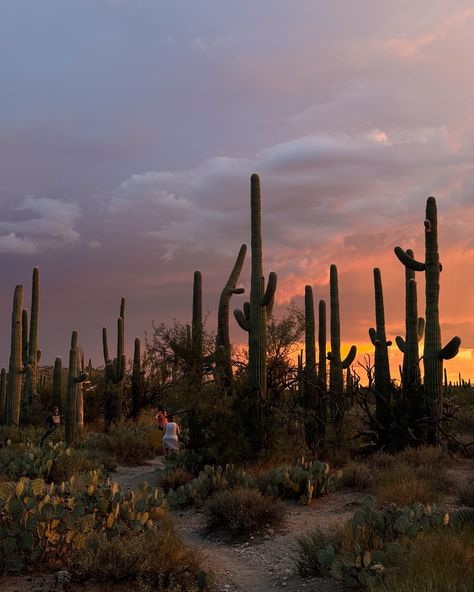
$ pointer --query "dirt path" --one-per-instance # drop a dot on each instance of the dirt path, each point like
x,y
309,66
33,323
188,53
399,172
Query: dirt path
x,y
260,564
264,563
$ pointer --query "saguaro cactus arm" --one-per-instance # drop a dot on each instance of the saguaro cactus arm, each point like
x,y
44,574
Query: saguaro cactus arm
x,y
408,261
270,291
401,343
241,320
451,349
347,361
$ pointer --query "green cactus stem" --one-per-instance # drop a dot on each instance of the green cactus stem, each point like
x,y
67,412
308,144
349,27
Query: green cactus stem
x,y
115,369
383,382
309,392
3,396
58,384
258,310
322,372
15,368
137,380
414,329
197,327
223,356
434,353
74,379
31,374
337,365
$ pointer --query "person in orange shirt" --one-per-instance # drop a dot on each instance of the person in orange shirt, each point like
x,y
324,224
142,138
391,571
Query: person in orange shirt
x,y
161,418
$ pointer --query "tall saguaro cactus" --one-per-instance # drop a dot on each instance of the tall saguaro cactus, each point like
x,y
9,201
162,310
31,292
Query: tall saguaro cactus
x,y
31,348
3,396
337,365
414,329
137,380
256,313
74,378
15,368
197,327
310,349
115,369
322,372
58,383
383,382
223,349
434,353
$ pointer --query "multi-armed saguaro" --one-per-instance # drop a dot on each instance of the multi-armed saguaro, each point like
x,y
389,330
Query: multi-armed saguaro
x,y
223,349
336,366
256,312
434,353
383,382
414,329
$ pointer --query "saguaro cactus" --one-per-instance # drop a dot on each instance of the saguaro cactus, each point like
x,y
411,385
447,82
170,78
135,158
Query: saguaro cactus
x,y
223,349
115,369
33,353
196,326
383,382
310,350
337,365
3,396
15,368
322,372
411,375
255,314
58,383
74,378
137,380
434,353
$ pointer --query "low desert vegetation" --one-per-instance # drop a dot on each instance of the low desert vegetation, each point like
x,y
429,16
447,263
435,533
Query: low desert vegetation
x,y
243,511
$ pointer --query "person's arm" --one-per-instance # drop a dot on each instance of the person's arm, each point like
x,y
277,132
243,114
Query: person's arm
x,y
178,431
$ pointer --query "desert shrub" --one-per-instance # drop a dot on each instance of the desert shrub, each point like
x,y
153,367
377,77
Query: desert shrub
x,y
402,484
242,511
307,560
357,475
157,559
466,494
431,456
174,478
125,444
439,561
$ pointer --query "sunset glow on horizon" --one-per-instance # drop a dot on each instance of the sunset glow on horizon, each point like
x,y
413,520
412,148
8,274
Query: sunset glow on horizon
x,y
129,131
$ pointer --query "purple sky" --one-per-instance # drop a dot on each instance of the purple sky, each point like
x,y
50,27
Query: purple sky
x,y
129,130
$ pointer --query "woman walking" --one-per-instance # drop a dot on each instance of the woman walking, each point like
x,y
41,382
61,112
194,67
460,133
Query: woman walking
x,y
171,438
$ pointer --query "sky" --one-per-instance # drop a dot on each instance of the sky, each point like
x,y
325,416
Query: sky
x,y
129,130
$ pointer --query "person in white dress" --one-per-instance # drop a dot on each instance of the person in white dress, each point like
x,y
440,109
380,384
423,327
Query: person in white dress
x,y
171,438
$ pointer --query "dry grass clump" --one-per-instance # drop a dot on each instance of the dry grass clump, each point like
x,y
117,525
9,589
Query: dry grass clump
x,y
466,494
439,561
309,545
156,559
174,478
126,444
357,475
242,511
402,485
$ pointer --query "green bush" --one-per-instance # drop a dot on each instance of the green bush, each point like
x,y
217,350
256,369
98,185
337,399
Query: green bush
x,y
158,560
242,511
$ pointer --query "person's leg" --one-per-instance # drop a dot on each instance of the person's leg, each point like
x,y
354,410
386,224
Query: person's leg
x,y
48,432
